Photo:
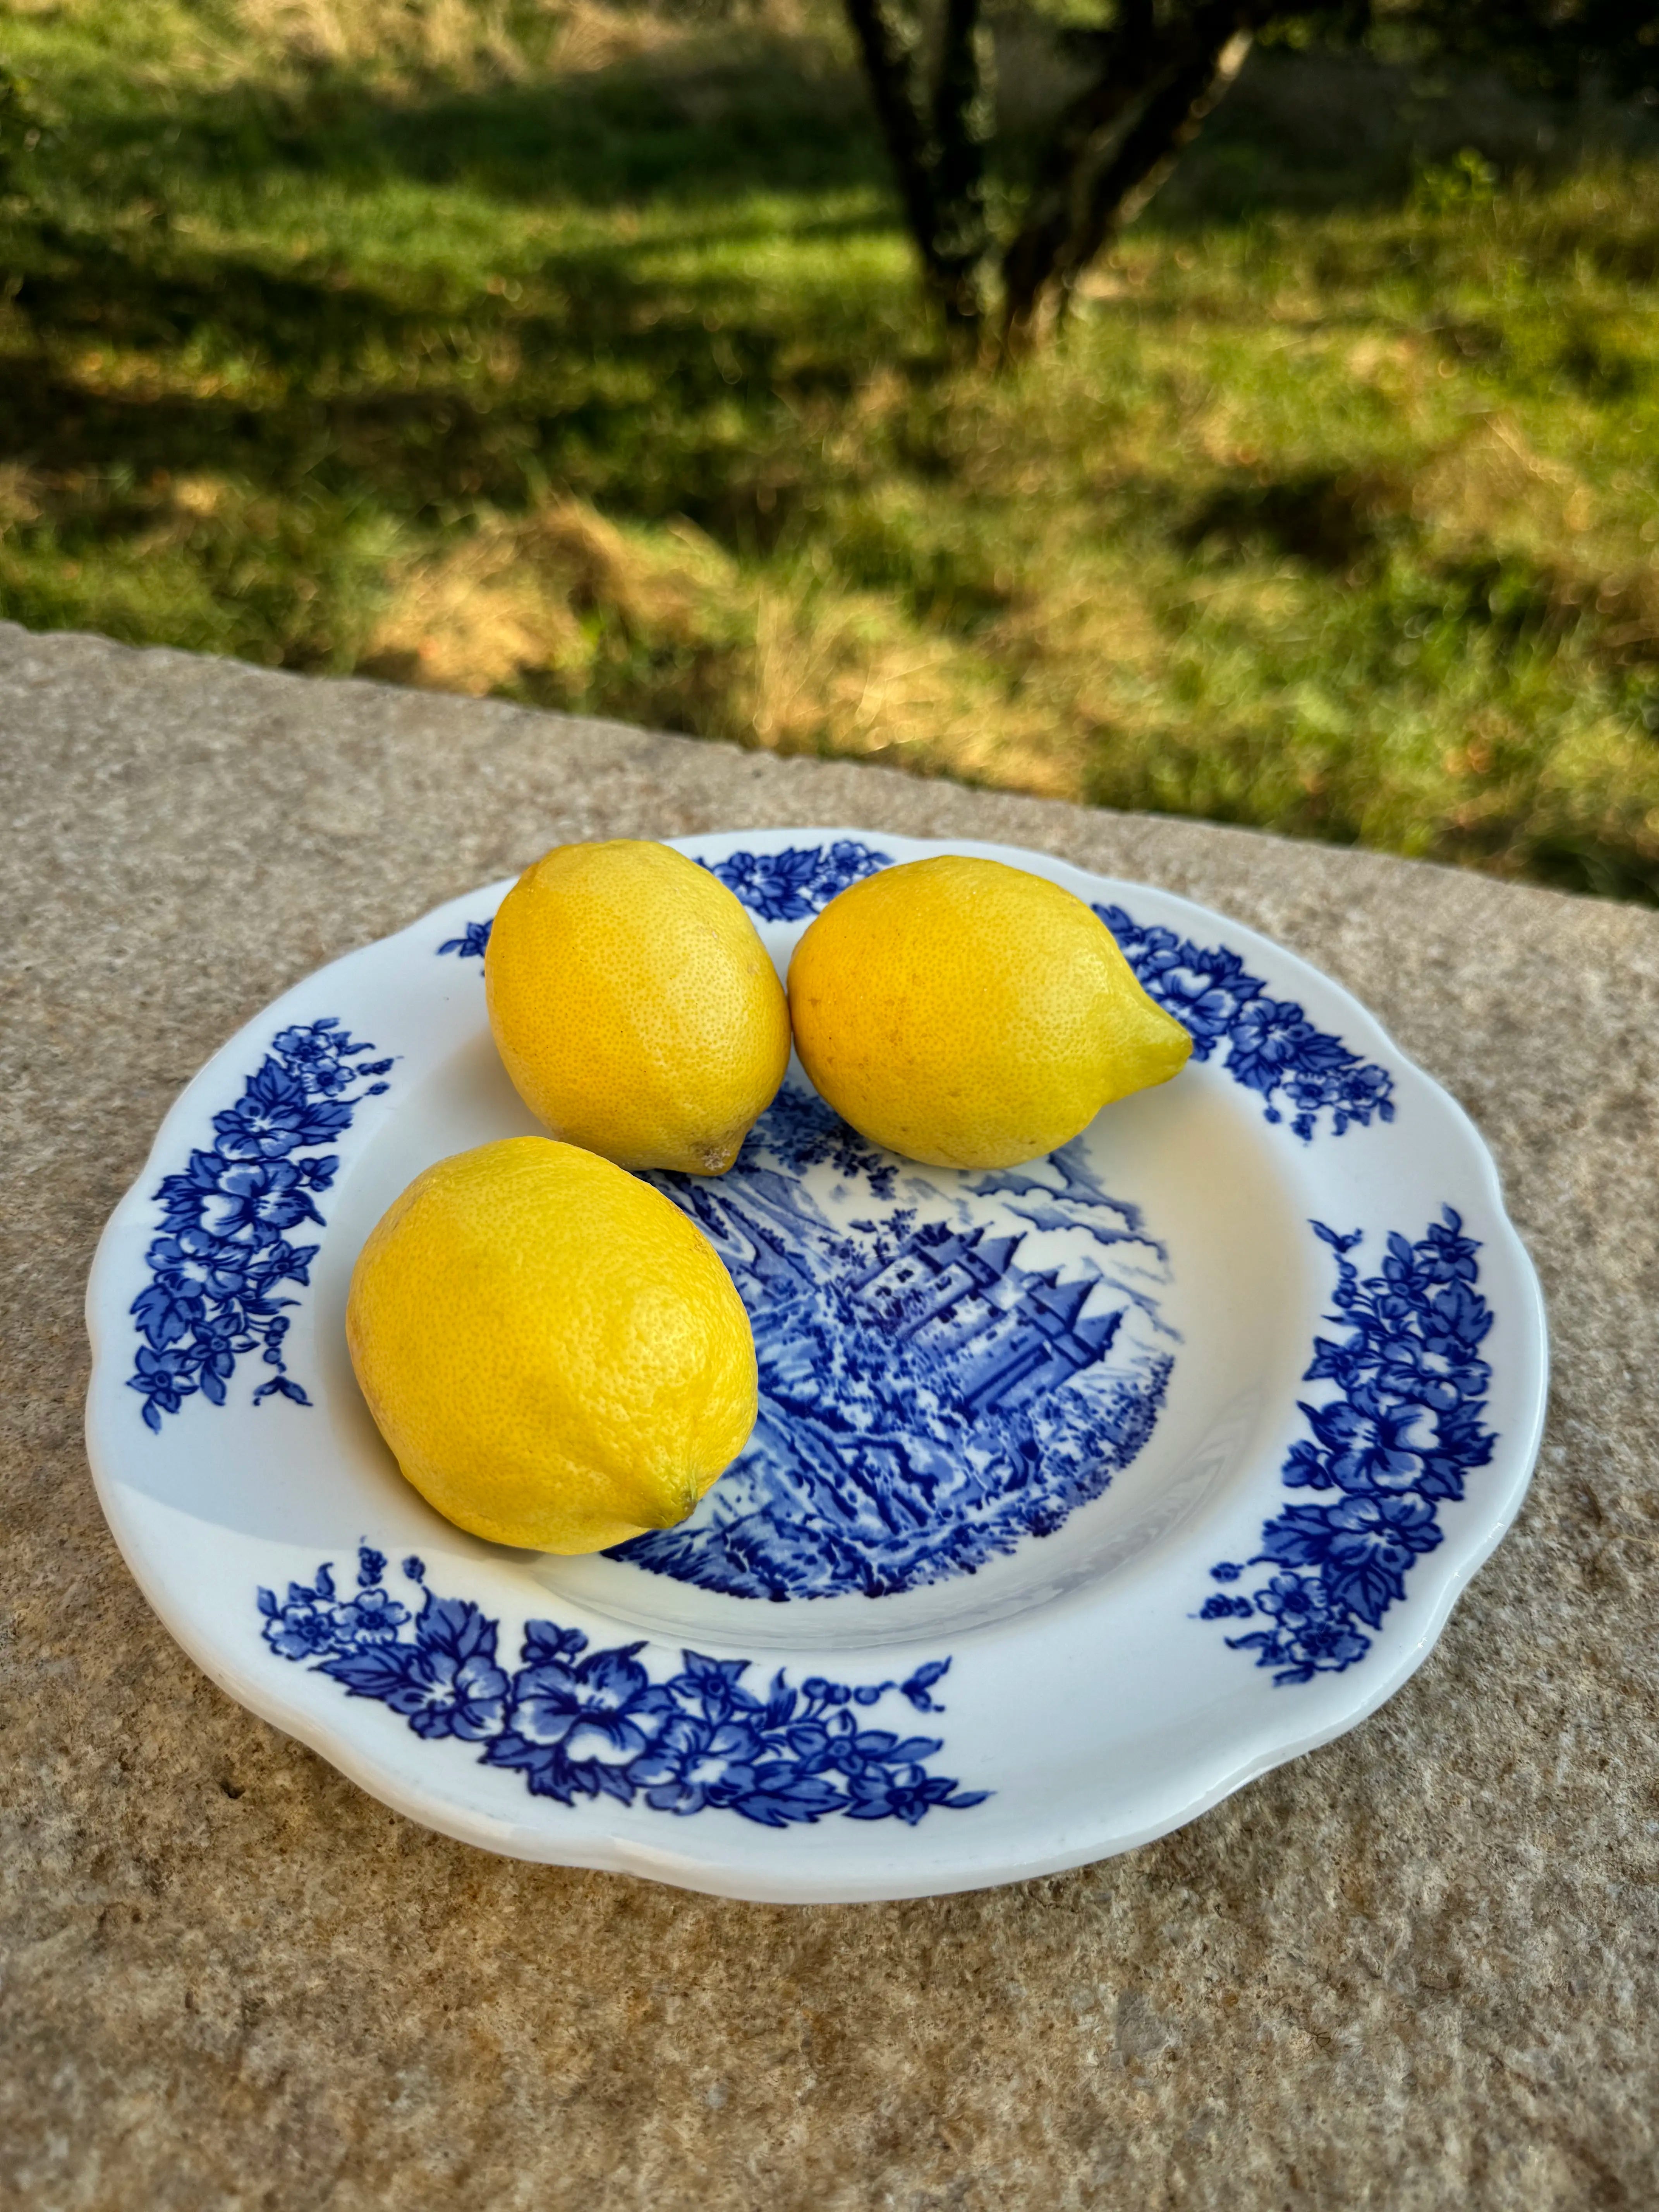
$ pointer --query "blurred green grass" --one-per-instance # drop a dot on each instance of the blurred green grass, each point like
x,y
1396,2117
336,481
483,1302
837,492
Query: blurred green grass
x,y
575,357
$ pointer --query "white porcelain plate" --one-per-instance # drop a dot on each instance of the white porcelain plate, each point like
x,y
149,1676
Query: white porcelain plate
x,y
1081,1493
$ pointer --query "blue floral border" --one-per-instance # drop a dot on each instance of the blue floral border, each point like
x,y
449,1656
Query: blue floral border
x,y
1271,1047
1401,1435
224,1250
790,886
581,1724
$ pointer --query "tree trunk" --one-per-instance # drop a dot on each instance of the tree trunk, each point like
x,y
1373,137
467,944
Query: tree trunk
x,y
937,147
1124,69
889,38
1091,185
1168,122
1153,85
963,122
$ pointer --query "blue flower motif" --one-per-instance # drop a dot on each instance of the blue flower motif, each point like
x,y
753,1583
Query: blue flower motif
x,y
281,1111
372,1617
1446,1255
167,1378
304,1625
224,1247
442,1695
1207,1006
1433,1369
697,1761
580,1724
443,1679
1271,1047
577,1726
1403,1434
191,1269
251,1201
304,1628
904,1794
792,885
1311,1636
1369,1440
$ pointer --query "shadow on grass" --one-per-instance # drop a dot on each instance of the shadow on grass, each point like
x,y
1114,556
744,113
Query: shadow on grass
x,y
423,388
658,400
1331,519
698,125
426,387
774,120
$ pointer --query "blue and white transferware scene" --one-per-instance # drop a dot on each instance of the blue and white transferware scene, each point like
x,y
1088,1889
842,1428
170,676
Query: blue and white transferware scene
x,y
1080,1491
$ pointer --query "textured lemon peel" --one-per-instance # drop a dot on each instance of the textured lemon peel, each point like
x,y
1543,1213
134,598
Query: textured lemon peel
x,y
554,1353
634,1007
971,1015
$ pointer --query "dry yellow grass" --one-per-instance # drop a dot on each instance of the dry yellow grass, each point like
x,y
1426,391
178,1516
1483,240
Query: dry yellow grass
x,y
465,41
526,601
556,605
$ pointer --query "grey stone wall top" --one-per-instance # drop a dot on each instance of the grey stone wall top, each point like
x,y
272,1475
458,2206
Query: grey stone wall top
x,y
1419,1968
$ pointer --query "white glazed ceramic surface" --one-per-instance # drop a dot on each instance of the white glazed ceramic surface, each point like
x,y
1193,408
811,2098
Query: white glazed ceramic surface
x,y
1081,1495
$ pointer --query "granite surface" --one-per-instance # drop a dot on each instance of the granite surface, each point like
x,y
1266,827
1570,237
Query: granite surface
x,y
1418,1969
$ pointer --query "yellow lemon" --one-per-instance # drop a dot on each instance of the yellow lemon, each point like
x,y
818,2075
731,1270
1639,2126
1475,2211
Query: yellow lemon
x,y
553,1352
634,1007
970,1014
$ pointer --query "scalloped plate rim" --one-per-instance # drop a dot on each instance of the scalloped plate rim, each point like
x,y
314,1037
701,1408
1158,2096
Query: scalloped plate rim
x,y
709,1870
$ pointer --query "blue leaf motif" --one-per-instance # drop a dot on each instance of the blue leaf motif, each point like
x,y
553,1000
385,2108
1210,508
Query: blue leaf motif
x,y
167,1311
775,1794
919,1686
381,1671
472,943
579,1725
1400,1437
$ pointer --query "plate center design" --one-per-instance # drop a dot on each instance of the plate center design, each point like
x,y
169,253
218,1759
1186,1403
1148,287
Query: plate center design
x,y
950,1362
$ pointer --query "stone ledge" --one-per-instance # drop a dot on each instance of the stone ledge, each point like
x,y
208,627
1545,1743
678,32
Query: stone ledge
x,y
1417,1968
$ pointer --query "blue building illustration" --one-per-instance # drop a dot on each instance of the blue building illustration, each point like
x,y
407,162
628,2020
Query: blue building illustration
x,y
949,1364
1008,1337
